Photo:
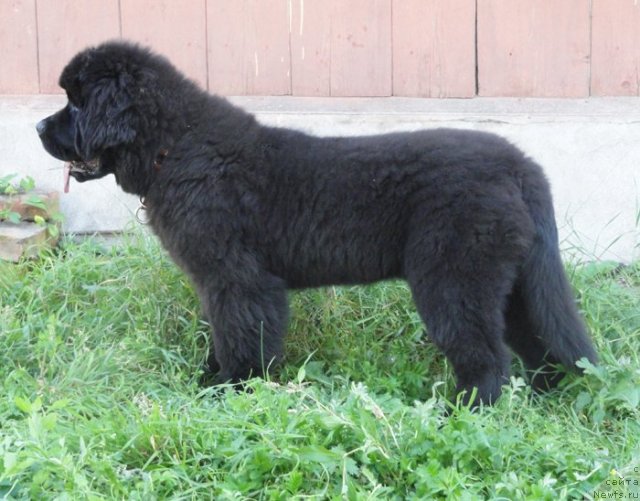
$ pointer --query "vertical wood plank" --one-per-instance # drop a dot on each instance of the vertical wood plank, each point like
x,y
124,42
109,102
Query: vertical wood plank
x,y
249,47
615,65
361,48
533,48
175,29
19,42
225,29
267,54
310,47
434,48
58,43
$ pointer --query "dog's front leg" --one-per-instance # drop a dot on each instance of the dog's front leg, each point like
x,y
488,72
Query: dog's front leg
x,y
249,322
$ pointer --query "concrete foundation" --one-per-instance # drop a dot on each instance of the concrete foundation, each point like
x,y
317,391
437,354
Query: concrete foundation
x,y
590,150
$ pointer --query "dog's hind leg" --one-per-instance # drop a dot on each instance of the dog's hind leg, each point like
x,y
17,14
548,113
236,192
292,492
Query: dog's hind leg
x,y
460,276
467,324
521,336
249,322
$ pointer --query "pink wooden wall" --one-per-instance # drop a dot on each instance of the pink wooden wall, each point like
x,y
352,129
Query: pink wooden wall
x,y
426,48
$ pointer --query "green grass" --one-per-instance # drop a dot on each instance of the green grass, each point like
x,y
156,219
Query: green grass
x,y
101,354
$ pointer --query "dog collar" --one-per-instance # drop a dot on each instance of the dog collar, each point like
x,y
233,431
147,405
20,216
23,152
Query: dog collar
x,y
141,212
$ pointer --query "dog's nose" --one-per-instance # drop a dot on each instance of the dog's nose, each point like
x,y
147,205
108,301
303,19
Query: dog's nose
x,y
41,126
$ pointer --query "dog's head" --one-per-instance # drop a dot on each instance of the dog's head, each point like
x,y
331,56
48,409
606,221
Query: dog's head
x,y
113,103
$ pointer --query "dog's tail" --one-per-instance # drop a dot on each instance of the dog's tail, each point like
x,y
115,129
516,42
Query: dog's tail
x,y
545,290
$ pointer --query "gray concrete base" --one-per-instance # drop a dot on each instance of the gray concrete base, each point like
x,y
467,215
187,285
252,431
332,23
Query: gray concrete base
x,y
589,148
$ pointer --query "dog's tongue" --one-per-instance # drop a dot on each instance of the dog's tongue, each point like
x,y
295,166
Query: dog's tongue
x,y
67,171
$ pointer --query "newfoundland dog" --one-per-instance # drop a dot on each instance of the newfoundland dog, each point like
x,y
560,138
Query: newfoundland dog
x,y
249,211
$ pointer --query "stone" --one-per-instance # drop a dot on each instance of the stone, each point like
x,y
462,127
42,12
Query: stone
x,y
24,240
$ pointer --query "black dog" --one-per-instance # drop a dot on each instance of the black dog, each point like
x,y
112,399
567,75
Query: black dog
x,y
249,211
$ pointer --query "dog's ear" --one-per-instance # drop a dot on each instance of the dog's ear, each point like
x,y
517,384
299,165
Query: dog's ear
x,y
107,117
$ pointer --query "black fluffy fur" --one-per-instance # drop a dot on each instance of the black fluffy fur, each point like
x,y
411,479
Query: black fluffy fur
x,y
249,211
